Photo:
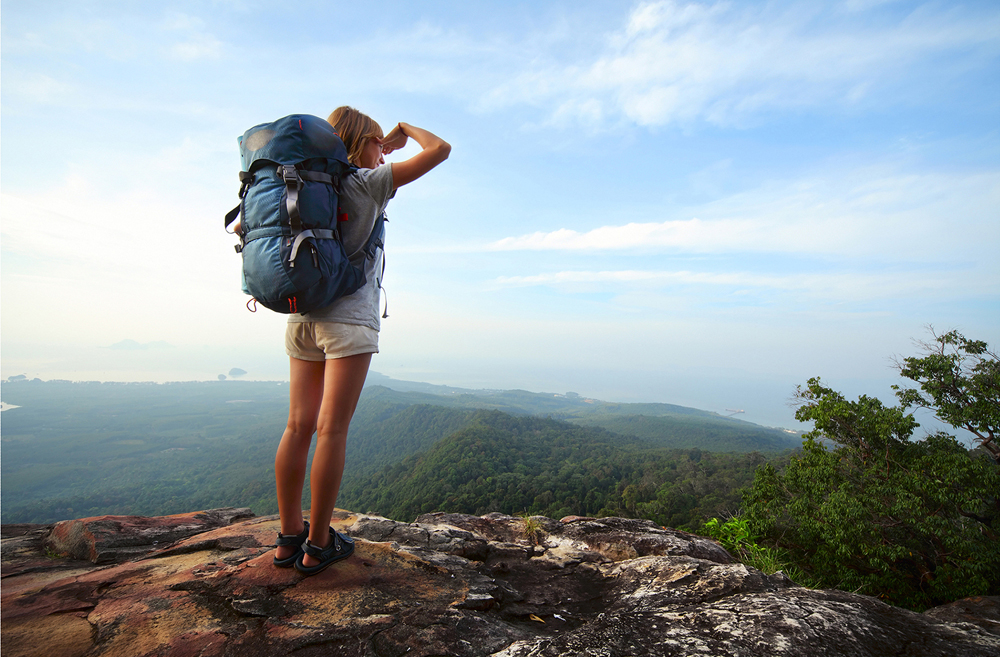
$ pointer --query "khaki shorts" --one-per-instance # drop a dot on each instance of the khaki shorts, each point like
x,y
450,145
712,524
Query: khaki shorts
x,y
324,340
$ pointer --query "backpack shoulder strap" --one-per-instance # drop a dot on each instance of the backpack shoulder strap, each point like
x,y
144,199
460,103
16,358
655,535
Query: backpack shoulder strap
x,y
375,239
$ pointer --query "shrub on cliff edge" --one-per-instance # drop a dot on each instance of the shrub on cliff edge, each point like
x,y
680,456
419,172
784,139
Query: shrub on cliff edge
x,y
916,523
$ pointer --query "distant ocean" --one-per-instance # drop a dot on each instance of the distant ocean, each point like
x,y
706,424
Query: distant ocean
x,y
155,362
763,400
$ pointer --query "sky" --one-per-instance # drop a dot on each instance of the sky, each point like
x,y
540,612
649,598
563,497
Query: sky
x,y
698,203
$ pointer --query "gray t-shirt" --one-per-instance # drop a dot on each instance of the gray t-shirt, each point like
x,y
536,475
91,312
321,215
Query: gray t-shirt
x,y
364,195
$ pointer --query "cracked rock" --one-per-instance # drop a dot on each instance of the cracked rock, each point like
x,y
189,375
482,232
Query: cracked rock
x,y
448,584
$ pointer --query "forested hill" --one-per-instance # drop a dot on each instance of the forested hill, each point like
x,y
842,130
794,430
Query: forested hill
x,y
80,449
540,466
383,432
716,434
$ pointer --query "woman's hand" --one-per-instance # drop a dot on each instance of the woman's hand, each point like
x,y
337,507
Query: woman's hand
x,y
395,140
434,151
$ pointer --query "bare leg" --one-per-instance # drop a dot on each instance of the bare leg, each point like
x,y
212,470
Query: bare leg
x,y
343,380
305,397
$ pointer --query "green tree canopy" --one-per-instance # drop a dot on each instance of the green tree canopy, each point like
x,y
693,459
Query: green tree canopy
x,y
867,508
960,381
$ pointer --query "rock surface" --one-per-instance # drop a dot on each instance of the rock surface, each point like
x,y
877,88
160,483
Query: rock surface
x,y
446,584
114,539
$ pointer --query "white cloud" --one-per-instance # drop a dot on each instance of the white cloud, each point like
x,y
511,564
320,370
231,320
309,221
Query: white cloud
x,y
146,244
721,62
864,5
865,212
37,88
197,43
693,234
747,288
201,46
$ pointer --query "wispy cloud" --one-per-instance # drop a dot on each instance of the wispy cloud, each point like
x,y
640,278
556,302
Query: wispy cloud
x,y
864,212
836,286
721,62
196,44
38,87
693,234
202,46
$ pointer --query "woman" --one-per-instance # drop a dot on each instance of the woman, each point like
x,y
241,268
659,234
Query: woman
x,y
330,349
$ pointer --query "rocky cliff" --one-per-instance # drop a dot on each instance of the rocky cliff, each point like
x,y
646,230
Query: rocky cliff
x,y
203,584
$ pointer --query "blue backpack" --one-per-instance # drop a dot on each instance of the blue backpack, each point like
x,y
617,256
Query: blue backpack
x,y
293,256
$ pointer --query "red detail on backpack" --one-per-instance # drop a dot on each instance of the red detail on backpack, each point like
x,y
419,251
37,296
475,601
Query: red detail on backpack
x,y
300,124
292,305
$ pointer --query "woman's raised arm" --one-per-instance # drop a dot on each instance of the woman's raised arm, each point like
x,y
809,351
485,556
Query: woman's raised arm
x,y
435,151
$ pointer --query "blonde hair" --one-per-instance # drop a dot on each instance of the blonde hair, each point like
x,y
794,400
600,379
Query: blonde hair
x,y
354,129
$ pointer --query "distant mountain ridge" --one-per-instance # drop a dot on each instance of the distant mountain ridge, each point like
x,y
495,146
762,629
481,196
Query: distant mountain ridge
x,y
562,406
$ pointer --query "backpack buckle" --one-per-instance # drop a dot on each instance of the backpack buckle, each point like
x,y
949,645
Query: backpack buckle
x,y
246,179
289,174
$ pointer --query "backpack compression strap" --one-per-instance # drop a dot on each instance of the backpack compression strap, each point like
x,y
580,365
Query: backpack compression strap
x,y
293,179
371,248
315,233
246,179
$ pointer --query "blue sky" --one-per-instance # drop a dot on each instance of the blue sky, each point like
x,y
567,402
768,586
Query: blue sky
x,y
697,203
